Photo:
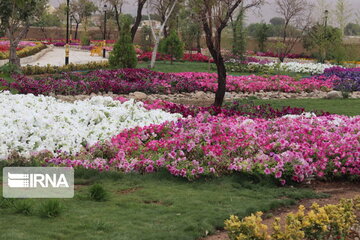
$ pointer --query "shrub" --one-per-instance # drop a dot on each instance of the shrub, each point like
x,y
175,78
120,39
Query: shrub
x,y
9,68
51,208
85,40
123,54
172,46
98,193
321,223
24,207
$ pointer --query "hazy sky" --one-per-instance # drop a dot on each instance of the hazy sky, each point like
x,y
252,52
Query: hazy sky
x,y
267,11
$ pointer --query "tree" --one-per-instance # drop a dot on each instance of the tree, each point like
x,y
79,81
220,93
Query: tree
x,y
297,15
16,17
190,29
262,35
215,16
116,6
146,39
352,29
321,38
140,6
123,54
239,33
277,21
157,35
173,46
80,11
343,13
47,20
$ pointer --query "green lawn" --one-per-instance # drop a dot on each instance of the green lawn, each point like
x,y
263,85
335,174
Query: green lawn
x,y
349,107
154,206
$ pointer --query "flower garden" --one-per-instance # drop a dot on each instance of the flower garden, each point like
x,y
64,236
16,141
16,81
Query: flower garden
x,y
188,121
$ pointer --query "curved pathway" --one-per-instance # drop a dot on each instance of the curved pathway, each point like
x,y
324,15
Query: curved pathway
x,y
56,57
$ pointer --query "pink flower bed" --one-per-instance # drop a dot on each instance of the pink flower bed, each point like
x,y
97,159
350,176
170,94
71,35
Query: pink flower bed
x,y
288,148
253,83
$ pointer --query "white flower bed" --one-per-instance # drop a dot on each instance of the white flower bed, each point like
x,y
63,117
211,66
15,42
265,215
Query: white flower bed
x,y
311,68
29,124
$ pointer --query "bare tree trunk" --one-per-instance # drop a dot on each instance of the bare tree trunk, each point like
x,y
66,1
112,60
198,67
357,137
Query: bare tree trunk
x,y
198,43
136,25
220,93
14,42
158,36
76,30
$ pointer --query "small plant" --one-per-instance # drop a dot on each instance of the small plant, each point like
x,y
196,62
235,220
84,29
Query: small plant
x,y
98,193
24,207
123,54
6,202
9,69
51,208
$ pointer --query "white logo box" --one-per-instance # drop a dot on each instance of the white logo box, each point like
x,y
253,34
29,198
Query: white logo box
x,y
38,182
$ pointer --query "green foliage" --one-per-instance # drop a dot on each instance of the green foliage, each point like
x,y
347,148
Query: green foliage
x,y
172,45
277,21
141,207
48,20
24,206
51,208
6,202
49,69
123,54
146,39
352,29
326,41
98,193
9,69
262,35
85,40
240,35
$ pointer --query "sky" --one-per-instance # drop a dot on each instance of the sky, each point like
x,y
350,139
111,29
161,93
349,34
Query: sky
x,y
266,12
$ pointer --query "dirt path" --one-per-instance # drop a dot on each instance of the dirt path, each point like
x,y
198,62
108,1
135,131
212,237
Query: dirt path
x,y
336,191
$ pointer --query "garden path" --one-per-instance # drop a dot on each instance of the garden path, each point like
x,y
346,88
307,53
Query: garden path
x,y
56,57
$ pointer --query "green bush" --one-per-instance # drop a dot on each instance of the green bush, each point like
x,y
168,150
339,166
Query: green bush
x,y
51,208
173,46
24,207
85,40
98,193
35,70
9,69
123,54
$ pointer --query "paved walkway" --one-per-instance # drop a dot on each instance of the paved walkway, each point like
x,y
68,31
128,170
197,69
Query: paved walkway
x,y
56,57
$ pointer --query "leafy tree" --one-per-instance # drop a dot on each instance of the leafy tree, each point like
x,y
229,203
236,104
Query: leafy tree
x,y
239,33
47,20
323,40
16,16
123,54
146,39
277,21
173,46
352,29
262,35
190,29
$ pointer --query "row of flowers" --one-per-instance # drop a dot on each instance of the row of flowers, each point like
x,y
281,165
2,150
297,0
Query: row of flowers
x,y
30,124
24,49
292,147
123,81
348,79
271,67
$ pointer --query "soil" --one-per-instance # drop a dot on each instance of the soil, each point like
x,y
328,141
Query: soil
x,y
336,191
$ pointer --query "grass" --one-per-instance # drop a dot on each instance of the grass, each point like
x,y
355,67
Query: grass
x,y
154,206
349,107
